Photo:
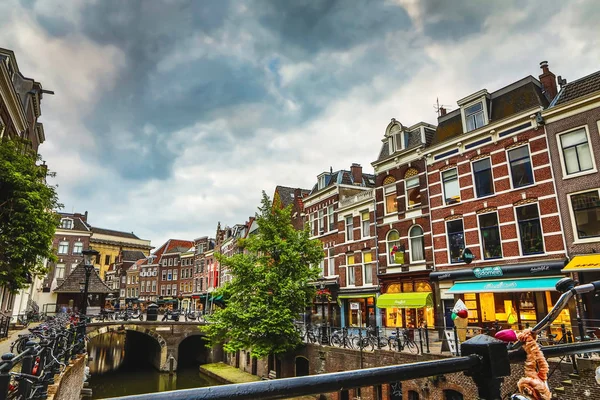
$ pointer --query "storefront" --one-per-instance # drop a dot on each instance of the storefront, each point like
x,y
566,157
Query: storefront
x,y
358,310
585,269
515,296
407,305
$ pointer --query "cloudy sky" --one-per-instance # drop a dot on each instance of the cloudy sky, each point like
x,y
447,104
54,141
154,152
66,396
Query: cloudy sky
x,y
172,115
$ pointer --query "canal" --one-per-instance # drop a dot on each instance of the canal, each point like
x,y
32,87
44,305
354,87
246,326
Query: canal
x,y
119,368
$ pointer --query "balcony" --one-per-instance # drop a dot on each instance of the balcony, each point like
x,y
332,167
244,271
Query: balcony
x,y
357,198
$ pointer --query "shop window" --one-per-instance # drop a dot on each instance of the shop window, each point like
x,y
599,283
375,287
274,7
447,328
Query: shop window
x,y
456,239
490,235
586,210
395,253
451,187
470,300
520,166
365,224
413,189
484,183
532,241
417,245
576,152
349,228
367,268
563,318
391,205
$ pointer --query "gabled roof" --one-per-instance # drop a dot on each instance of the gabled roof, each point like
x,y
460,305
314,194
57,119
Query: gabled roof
x,y
71,283
102,231
132,255
578,88
510,100
169,247
286,194
78,223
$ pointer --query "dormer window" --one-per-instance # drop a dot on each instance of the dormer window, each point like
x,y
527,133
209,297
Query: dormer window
x,y
474,117
322,181
66,223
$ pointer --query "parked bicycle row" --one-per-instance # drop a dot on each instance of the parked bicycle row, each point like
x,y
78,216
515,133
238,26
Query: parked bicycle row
x,y
129,314
41,353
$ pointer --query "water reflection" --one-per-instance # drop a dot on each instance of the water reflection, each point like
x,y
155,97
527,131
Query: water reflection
x,y
107,352
113,374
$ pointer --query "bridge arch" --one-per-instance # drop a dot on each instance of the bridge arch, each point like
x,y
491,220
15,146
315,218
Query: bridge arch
x,y
161,362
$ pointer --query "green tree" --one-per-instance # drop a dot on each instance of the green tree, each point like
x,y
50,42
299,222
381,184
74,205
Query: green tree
x,y
270,286
27,222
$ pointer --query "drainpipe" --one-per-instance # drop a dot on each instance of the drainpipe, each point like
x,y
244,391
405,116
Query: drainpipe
x,y
378,321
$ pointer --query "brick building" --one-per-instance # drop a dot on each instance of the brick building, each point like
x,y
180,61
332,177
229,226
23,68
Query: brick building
x,y
491,191
169,271
285,196
186,278
405,251
348,253
125,277
572,124
202,245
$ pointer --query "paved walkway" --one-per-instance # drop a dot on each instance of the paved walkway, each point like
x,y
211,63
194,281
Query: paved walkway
x,y
12,335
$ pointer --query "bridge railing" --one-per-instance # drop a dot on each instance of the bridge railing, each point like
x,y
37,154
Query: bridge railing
x,y
485,359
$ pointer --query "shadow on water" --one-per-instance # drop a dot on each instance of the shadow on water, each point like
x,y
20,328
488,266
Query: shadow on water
x,y
118,370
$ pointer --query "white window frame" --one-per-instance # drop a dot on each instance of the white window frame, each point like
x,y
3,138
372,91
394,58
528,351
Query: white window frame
x,y
519,232
170,275
364,268
321,221
170,262
66,219
576,239
349,233
77,245
331,218
60,267
389,248
350,267
491,172
563,165
365,230
512,186
175,274
410,246
481,242
62,244
484,109
448,239
389,190
444,186
330,261
406,188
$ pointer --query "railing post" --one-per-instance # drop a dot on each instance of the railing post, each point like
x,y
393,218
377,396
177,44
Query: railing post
x,y
26,366
426,338
377,338
573,359
398,338
494,366
421,339
5,366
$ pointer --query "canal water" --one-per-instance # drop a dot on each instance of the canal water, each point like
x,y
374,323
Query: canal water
x,y
114,374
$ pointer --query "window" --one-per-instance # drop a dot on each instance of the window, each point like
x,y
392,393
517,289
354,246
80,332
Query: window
x,y
350,270
123,278
154,286
77,247
391,206
164,275
474,116
395,253
349,228
366,224
417,245
60,271
174,289
66,223
413,193
368,268
123,293
63,247
456,239
586,210
321,182
482,170
170,262
174,274
330,218
576,151
164,263
532,241
450,394
129,279
520,166
107,259
412,395
451,188
321,216
490,236
168,290
330,262
143,286
170,275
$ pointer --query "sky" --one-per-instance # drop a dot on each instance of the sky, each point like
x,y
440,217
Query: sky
x,y
170,116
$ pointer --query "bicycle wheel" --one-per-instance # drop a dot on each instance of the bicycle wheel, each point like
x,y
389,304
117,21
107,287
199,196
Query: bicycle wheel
x,y
412,347
393,344
336,341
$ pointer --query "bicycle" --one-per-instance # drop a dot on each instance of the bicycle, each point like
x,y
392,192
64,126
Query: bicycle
x,y
403,341
371,339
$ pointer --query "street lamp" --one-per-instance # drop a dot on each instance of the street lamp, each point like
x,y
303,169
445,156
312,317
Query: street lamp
x,y
324,336
89,256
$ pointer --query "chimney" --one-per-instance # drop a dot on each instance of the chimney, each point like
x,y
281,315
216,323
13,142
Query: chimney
x,y
442,111
548,80
356,171
297,193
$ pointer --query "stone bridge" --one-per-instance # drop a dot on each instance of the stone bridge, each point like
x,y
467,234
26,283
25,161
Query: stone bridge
x,y
162,339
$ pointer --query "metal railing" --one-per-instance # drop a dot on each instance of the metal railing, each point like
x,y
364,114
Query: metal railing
x,y
486,360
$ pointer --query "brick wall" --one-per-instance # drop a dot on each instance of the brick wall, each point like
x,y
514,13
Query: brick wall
x,y
70,383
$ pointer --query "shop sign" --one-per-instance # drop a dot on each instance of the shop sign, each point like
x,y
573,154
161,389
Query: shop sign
x,y
467,256
500,285
488,272
541,268
355,306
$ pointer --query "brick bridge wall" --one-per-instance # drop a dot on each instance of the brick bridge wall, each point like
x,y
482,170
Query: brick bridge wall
x,y
167,335
324,359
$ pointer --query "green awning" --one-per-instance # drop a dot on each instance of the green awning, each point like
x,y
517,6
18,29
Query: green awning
x,y
506,285
218,298
405,300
